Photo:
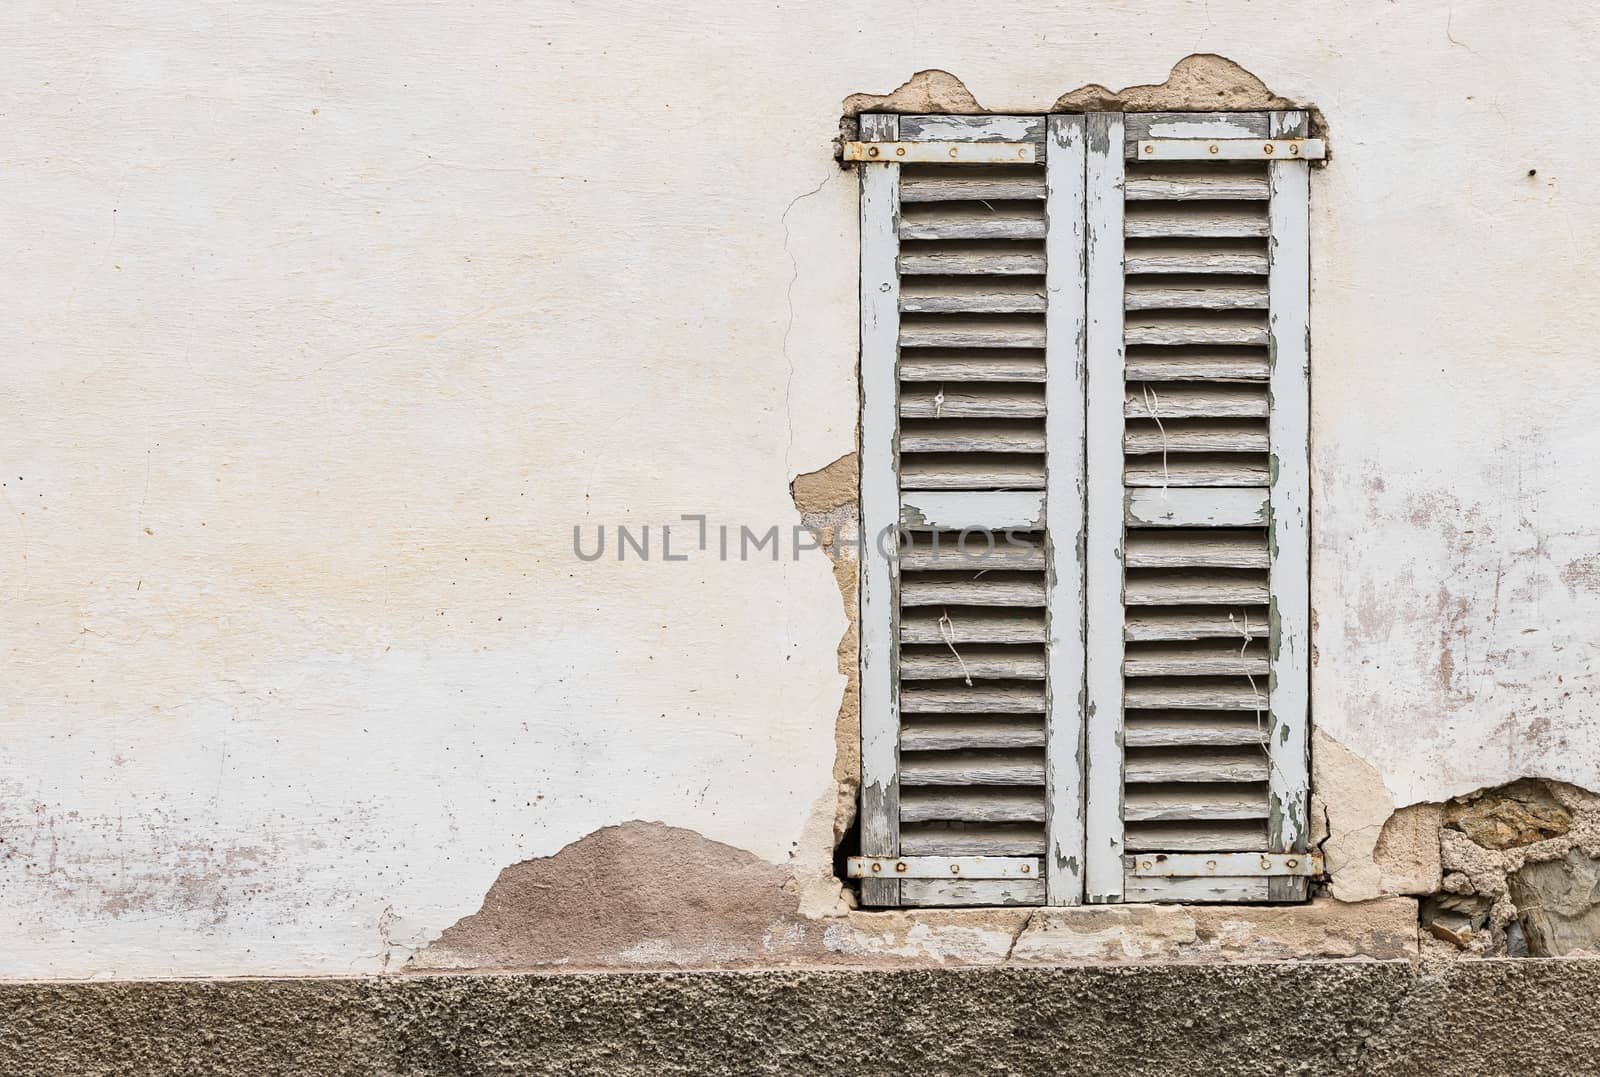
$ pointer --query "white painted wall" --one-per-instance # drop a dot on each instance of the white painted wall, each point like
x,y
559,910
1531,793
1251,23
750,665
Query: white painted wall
x,y
326,324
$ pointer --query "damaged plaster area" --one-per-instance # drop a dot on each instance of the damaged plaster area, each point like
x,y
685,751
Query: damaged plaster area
x,y
1200,82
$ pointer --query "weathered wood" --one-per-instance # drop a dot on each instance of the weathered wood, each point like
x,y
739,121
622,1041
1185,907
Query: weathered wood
x,y
1238,506
940,128
960,471
974,699
1195,693
976,436
880,510
1196,402
933,893
972,184
928,734
1221,256
1288,283
1227,835
972,553
972,625
1194,470
929,331
977,661
1178,182
1104,495
1067,289
1198,732
1183,293
1198,891
925,589
974,221
947,867
972,402
1193,588
973,366
1194,660
1196,623
1191,220
1181,549
975,768
1193,802
1195,329
1195,765
988,260
1193,436
989,510
1147,125
963,839
924,804
1171,364
964,295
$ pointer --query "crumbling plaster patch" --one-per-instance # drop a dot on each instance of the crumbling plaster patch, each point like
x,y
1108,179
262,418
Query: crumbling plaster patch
x,y
1200,82
1370,847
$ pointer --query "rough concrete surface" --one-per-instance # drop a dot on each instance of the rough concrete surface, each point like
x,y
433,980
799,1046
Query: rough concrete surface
x,y
1370,1018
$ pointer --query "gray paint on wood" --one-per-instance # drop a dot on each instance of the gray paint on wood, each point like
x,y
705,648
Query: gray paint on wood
x,y
880,510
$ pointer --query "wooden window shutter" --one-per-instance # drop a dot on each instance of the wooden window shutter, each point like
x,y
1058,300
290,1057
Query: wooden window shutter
x,y
972,308
1198,491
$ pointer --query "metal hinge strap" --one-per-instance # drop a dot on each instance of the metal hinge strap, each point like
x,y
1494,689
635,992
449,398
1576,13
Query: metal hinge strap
x,y
1223,865
948,153
945,867
1231,149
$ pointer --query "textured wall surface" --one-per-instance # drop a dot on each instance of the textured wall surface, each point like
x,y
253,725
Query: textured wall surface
x,y
1364,1020
327,325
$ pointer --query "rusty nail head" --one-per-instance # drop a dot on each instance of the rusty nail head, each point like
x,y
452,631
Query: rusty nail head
x,y
1266,865
1148,865
1292,862
952,151
872,151
955,869
1294,150
899,151
1267,148
1212,864
901,866
1212,148
1022,151
877,867
1024,869
1149,148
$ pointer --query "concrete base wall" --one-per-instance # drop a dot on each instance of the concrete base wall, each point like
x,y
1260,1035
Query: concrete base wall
x,y
1369,1018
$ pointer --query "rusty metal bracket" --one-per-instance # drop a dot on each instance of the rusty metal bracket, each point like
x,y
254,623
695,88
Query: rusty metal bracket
x,y
1231,149
944,153
945,867
1223,865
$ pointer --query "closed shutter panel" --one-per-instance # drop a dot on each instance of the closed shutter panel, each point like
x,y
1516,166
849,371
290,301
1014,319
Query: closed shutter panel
x,y
971,441
1198,626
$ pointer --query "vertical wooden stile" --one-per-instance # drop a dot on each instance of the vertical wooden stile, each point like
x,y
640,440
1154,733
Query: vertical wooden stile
x,y
1288,285
1064,500
880,511
1104,501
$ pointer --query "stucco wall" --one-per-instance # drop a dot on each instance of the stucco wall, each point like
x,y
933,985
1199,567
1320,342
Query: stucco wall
x,y
327,325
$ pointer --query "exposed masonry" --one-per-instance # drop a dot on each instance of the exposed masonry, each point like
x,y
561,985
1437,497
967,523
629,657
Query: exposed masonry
x,y
1510,870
